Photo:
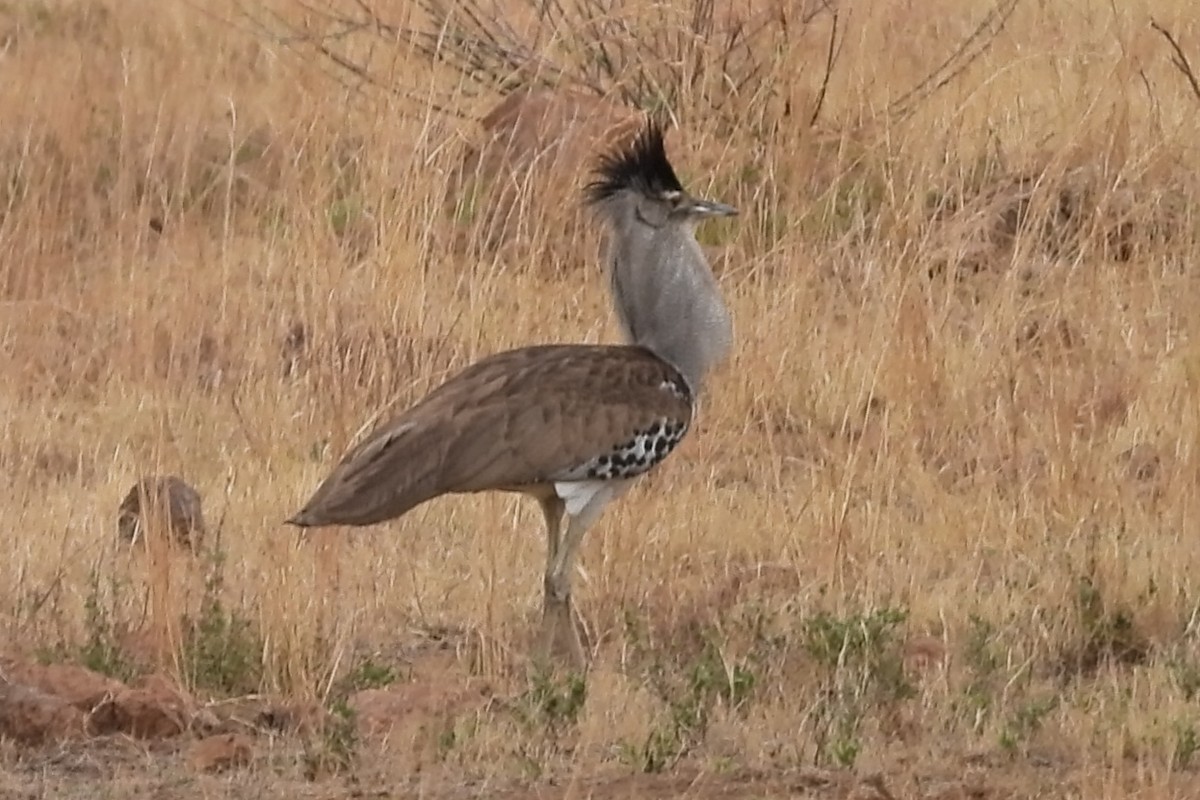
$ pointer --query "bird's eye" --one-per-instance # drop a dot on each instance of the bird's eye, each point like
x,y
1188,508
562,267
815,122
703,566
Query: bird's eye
x,y
671,195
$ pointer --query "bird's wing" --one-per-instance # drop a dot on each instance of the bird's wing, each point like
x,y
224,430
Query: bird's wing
x,y
511,421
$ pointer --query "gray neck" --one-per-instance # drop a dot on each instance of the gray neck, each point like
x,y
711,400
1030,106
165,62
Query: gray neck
x,y
666,297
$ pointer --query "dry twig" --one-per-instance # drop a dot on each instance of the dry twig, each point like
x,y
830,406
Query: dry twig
x,y
971,48
592,45
1178,58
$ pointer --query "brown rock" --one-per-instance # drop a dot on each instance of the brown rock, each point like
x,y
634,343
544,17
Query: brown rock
x,y
528,126
379,711
78,686
221,752
161,503
31,716
154,710
534,158
295,717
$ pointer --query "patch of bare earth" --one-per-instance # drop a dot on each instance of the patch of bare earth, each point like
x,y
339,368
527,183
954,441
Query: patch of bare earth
x,y
64,730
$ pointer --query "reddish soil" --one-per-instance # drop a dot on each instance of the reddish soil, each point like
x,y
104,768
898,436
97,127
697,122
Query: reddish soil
x,y
64,730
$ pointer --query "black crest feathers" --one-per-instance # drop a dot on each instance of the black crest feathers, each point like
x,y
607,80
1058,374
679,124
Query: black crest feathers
x,y
641,167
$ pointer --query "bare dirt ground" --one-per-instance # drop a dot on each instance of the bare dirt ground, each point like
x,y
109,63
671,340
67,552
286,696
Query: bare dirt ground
x,y
153,741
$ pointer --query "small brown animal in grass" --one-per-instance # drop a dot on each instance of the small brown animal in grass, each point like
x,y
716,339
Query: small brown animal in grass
x,y
162,500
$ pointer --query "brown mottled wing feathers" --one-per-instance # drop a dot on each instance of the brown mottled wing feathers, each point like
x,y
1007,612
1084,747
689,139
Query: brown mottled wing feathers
x,y
511,421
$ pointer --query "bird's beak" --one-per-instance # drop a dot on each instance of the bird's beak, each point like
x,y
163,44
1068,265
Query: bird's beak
x,y
711,208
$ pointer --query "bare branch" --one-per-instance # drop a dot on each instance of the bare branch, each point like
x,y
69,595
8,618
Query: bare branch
x,y
830,57
1178,58
289,36
971,48
830,6
599,46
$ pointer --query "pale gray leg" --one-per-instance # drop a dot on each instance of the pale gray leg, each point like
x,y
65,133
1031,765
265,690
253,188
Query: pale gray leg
x,y
560,622
552,510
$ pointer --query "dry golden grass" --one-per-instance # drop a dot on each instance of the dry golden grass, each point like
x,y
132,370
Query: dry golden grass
x,y
932,407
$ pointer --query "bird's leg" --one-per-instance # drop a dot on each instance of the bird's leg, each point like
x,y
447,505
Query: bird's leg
x,y
560,629
552,509
558,610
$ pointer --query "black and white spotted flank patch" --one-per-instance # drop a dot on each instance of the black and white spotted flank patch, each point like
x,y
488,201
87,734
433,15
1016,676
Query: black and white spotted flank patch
x,y
646,449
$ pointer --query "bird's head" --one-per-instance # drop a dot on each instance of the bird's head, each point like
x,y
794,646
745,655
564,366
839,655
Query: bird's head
x,y
638,184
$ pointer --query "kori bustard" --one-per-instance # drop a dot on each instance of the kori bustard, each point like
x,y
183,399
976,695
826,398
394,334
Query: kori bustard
x,y
571,424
